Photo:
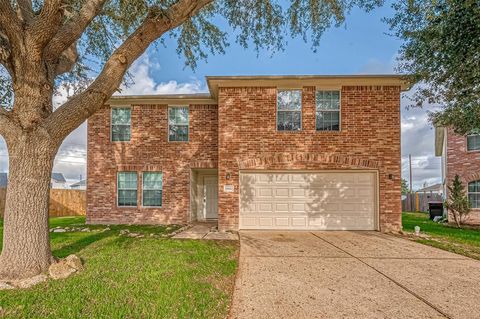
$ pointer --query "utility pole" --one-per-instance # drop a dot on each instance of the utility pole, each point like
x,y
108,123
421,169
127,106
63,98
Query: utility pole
x,y
410,169
410,172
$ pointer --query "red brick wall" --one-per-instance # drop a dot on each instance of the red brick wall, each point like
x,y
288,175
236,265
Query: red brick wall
x,y
369,139
148,150
465,164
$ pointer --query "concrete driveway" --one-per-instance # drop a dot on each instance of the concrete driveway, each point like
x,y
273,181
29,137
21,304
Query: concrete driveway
x,y
351,275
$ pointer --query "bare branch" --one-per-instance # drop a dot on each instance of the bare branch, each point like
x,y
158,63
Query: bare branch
x,y
9,22
25,10
5,52
76,110
69,33
48,22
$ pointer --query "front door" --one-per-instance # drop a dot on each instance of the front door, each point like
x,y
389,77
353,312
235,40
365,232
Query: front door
x,y
210,193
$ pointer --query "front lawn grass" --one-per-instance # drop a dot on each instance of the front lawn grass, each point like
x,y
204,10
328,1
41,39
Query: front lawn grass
x,y
124,277
464,241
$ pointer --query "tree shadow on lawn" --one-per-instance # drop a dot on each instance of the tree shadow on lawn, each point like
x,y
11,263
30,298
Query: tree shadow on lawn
x,y
81,243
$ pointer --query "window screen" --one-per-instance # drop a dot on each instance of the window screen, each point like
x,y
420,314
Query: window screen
x,y
289,110
474,194
328,110
152,189
127,188
121,119
178,124
473,142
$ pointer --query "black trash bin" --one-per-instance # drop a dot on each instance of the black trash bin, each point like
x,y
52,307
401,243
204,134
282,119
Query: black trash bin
x,y
435,209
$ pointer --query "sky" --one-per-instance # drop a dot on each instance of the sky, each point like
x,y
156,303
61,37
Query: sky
x,y
362,45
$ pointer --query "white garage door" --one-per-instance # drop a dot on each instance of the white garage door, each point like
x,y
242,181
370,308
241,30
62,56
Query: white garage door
x,y
313,200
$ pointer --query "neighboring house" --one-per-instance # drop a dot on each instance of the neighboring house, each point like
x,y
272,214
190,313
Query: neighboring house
x,y
82,185
3,180
460,156
433,189
58,181
259,152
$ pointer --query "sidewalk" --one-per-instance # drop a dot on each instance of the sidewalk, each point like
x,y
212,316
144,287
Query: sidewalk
x,y
206,231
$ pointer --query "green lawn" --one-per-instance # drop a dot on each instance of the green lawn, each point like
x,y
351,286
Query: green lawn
x,y
149,277
461,241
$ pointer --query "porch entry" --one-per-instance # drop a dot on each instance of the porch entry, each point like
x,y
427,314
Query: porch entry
x,y
204,195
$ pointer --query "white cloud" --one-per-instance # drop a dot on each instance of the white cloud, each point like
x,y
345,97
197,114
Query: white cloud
x,y
418,139
144,83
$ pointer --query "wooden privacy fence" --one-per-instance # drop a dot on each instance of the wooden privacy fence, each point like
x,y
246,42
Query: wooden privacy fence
x,y
63,202
418,202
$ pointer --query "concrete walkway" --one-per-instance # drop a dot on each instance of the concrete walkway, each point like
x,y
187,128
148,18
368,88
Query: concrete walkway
x,y
206,231
351,275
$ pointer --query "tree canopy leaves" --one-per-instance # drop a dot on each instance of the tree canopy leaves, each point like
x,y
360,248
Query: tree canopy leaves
x,y
260,24
441,51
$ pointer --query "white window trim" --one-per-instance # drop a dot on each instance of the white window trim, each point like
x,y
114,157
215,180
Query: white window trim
x,y
168,122
128,189
111,123
472,193
301,110
466,143
143,179
339,109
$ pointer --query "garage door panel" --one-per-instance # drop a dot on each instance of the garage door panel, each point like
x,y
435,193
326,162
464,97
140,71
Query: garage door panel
x,y
264,192
265,221
298,192
297,178
282,192
282,207
299,222
318,200
364,179
247,208
364,192
265,207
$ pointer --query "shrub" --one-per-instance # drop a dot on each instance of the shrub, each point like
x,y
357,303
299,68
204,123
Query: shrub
x,y
457,203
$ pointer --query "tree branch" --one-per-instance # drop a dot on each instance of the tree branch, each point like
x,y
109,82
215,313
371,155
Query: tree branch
x,y
9,22
7,125
48,22
76,110
25,10
5,52
70,32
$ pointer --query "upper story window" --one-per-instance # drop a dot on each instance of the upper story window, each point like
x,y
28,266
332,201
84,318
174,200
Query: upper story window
x,y
473,142
127,189
152,189
178,119
289,110
121,119
328,110
474,194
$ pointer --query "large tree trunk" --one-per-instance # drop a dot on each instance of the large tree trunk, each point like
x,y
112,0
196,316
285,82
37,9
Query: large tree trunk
x,y
26,246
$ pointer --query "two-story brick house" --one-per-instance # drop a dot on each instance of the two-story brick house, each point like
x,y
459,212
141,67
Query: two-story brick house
x,y
259,152
460,156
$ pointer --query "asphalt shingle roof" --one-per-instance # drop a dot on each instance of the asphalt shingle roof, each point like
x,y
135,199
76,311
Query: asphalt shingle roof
x,y
58,177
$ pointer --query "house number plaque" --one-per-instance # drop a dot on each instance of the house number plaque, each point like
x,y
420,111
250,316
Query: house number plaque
x,y
228,188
